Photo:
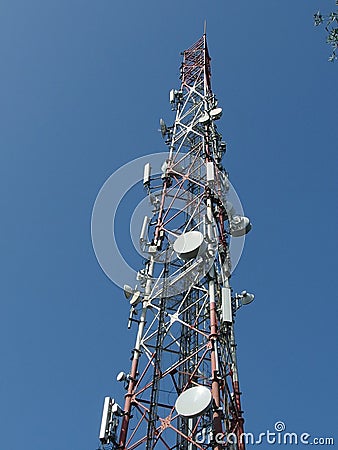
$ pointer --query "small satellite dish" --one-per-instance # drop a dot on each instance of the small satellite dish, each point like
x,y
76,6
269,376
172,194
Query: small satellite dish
x,y
216,113
136,298
239,226
121,376
128,291
247,298
190,244
204,119
193,402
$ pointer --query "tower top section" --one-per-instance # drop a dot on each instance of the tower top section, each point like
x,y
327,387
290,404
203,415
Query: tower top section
x,y
195,69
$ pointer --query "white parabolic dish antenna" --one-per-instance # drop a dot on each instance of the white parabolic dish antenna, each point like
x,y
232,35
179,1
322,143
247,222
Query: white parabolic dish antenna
x,y
189,245
193,402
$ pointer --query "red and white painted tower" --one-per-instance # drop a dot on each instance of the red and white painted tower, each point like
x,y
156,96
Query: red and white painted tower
x,y
182,389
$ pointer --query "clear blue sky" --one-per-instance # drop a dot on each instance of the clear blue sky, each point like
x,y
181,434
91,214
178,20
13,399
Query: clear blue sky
x,y
82,86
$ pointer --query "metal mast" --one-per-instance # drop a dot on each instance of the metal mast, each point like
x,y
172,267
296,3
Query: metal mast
x,y
182,390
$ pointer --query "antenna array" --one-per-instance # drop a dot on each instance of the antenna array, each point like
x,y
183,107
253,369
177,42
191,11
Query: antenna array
x,y
182,389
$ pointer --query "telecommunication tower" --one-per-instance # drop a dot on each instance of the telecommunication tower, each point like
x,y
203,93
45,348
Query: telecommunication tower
x,y
182,389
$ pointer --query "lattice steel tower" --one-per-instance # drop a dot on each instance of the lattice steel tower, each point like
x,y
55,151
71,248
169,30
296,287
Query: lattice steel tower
x,y
182,390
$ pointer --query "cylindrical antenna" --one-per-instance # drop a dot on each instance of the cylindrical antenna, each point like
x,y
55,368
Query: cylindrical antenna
x,y
144,230
146,174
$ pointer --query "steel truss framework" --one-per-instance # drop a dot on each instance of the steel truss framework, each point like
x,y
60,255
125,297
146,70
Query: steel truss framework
x,y
182,339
